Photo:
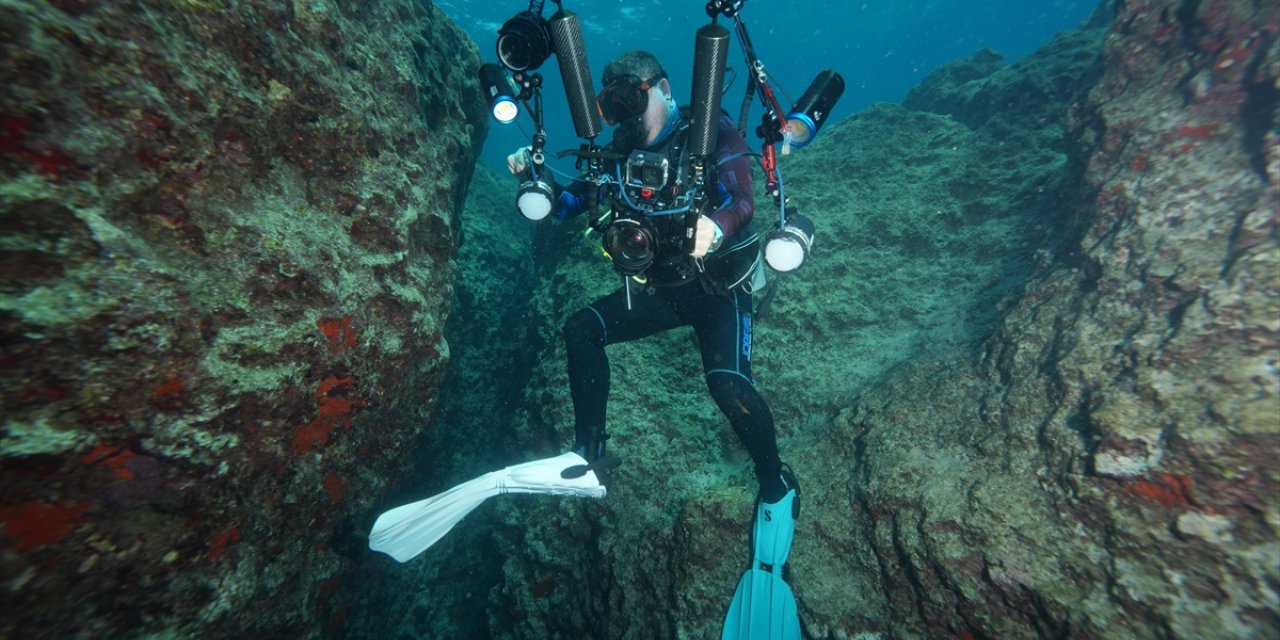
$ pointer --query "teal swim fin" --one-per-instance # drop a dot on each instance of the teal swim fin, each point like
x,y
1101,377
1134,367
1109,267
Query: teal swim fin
x,y
763,607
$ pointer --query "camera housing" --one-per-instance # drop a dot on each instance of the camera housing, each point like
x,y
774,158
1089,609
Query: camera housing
x,y
647,170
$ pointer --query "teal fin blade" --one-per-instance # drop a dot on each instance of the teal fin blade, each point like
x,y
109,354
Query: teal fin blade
x,y
763,608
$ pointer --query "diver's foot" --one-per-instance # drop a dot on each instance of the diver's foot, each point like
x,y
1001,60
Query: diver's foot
x,y
775,524
602,466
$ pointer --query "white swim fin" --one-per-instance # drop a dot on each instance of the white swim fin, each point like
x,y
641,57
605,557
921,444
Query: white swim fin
x,y
407,531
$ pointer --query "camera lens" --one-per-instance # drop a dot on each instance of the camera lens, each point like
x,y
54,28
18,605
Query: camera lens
x,y
631,243
634,244
652,176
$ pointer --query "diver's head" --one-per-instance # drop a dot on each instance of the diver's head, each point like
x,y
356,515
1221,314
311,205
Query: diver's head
x,y
637,97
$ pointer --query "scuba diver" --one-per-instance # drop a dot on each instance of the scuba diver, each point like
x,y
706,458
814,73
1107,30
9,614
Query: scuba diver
x,y
671,196
709,289
665,286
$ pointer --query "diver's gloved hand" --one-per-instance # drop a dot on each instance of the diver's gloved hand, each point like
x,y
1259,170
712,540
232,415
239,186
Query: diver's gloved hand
x,y
518,162
707,238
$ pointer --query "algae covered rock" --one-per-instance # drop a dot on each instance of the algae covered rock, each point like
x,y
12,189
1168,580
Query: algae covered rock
x,y
1104,466
227,241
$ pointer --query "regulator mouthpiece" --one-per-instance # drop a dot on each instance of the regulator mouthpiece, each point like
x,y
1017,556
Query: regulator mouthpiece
x,y
786,248
808,115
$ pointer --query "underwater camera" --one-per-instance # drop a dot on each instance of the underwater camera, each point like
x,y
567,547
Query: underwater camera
x,y
632,243
807,116
786,248
645,179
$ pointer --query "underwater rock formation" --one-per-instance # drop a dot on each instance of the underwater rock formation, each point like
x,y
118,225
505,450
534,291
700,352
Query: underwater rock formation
x,y
228,232
441,593
1104,464
1028,380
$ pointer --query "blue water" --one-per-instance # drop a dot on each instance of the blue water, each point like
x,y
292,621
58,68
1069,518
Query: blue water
x,y
882,48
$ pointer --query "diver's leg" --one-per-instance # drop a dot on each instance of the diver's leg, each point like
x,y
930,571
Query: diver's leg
x,y
723,326
603,322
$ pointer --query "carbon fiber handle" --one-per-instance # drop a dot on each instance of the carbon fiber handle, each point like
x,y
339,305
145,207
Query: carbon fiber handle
x,y
571,54
710,54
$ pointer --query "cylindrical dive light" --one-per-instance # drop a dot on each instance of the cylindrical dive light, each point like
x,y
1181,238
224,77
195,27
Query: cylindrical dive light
x,y
710,52
500,93
571,54
787,247
807,116
523,41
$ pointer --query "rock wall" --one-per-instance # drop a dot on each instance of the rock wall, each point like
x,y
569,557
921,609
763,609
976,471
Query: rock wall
x,y
227,237
1028,380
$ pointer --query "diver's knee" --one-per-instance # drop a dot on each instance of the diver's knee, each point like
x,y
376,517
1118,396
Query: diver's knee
x,y
728,388
584,327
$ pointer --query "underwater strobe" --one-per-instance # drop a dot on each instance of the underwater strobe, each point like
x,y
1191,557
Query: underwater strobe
x,y
535,197
524,41
808,115
786,248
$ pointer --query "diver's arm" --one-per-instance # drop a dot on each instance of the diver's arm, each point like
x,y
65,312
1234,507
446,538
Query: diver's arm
x,y
738,203
569,201
572,200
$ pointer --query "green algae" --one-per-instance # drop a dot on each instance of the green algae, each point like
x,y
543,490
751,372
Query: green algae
x,y
39,437
237,358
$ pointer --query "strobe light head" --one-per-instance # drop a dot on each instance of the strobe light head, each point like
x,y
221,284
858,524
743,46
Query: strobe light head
x,y
500,92
807,116
524,42
786,248
535,199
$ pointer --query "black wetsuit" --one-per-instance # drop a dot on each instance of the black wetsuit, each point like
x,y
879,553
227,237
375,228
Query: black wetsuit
x,y
716,302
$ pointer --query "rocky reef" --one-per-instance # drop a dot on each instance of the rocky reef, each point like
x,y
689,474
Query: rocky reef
x,y
1028,380
228,234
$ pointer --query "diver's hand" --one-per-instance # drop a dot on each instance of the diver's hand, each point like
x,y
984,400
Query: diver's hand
x,y
707,237
518,162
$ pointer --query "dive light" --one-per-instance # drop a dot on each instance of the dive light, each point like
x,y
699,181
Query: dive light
x,y
524,42
786,248
808,115
500,92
